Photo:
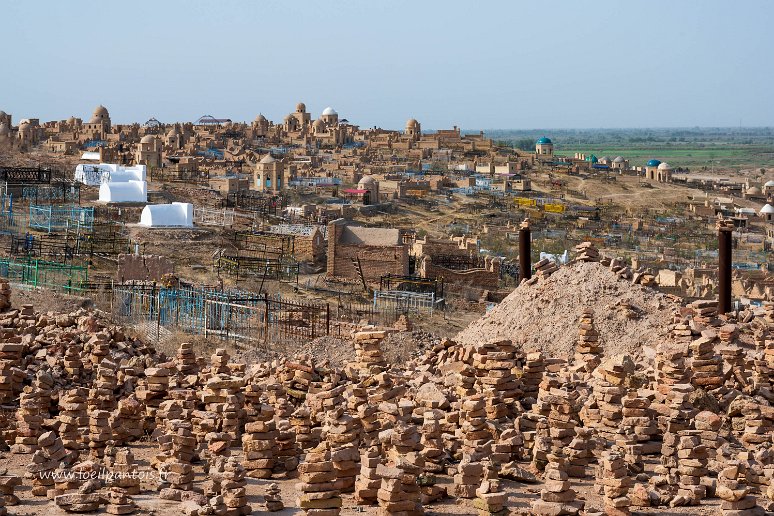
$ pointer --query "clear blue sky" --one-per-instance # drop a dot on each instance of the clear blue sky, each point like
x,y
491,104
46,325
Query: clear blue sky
x,y
476,64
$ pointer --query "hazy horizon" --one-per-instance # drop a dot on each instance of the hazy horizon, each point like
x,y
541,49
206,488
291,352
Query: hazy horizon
x,y
496,66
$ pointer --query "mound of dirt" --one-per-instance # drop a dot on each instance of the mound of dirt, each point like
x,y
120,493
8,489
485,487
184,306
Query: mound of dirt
x,y
47,301
545,315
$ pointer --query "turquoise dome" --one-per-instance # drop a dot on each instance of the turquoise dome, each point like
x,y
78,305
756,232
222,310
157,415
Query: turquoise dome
x,y
544,141
592,159
653,163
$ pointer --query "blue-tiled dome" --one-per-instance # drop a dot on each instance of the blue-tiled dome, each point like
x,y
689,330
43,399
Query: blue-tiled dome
x,y
653,163
544,141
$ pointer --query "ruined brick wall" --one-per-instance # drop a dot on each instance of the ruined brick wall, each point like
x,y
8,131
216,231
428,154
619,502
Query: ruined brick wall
x,y
334,234
375,261
431,247
142,267
485,278
309,248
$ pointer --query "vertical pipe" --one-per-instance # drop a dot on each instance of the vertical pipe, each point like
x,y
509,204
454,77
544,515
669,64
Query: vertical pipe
x,y
525,251
725,259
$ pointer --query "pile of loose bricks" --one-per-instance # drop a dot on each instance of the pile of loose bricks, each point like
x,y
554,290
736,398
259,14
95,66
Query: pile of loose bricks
x,y
690,425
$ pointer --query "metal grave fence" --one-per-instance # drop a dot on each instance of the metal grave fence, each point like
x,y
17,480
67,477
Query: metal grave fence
x,y
55,192
258,266
214,217
234,316
401,301
40,273
53,218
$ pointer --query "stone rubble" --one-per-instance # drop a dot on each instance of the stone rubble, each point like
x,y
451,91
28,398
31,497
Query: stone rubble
x,y
690,422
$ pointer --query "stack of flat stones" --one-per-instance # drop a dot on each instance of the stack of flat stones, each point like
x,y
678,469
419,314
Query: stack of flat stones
x,y
706,365
490,498
758,424
127,420
631,451
399,490
124,470
73,365
557,496
273,498
734,493
384,392
545,268
494,363
476,436
102,393
639,417
368,481
186,359
286,452
222,396
728,333
467,479
465,377
368,352
588,348
99,348
228,482
301,421
342,434
258,443
369,419
219,362
580,452
704,310
708,424
586,252
29,424
433,450
118,502
562,417
177,447
319,496
79,502
532,374
50,454
671,366
11,376
297,378
99,432
216,444
5,295
155,388
8,484
609,401
615,482
692,458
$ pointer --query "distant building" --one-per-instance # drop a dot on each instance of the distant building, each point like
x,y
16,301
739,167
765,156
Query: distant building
x,y
656,170
149,151
544,148
269,174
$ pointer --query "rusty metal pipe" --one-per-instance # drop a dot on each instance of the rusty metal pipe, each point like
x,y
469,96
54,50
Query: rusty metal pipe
x,y
725,260
525,253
